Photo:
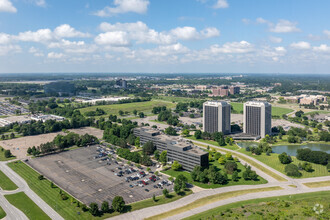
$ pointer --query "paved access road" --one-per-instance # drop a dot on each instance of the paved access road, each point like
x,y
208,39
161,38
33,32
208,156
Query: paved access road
x,y
12,212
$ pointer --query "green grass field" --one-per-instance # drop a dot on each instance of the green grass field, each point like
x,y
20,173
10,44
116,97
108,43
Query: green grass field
x,y
231,147
299,206
27,206
6,183
273,161
210,199
276,111
320,112
145,107
241,181
317,184
2,213
174,99
2,155
64,207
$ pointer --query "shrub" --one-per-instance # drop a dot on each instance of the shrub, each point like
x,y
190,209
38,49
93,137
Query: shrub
x,y
292,170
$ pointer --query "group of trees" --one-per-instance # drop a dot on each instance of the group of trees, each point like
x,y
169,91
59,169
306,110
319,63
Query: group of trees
x,y
6,153
157,110
119,135
161,157
170,131
135,157
216,136
166,115
97,112
318,157
262,148
118,205
210,174
284,158
61,142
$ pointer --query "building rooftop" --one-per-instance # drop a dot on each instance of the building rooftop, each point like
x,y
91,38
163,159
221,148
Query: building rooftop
x,y
216,103
257,103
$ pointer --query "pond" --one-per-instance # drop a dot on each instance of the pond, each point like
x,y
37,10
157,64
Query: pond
x,y
290,149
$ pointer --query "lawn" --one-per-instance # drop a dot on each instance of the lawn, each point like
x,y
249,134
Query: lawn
x,y
145,107
210,142
317,184
2,155
210,199
174,98
320,112
6,183
241,181
64,207
2,213
276,111
273,161
299,206
27,206
253,163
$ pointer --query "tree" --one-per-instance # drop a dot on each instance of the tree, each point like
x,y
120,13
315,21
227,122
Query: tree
x,y
40,177
163,157
292,170
230,166
185,133
52,185
222,160
149,148
235,176
121,112
137,142
177,189
118,204
135,112
180,182
94,209
229,156
217,155
141,114
198,134
156,154
105,207
176,166
284,158
12,135
170,131
7,153
165,193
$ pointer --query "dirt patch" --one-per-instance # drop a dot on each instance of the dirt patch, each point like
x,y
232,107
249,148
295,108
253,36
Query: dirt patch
x,y
89,130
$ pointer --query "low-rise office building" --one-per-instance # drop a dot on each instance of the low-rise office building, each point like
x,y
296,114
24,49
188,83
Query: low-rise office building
x,y
177,149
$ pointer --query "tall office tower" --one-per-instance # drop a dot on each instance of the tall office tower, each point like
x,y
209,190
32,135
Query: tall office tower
x,y
216,117
257,118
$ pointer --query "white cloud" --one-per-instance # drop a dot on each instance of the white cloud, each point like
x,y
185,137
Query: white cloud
x,y
246,21
275,39
41,35
327,33
221,4
141,33
4,38
66,30
53,55
301,45
284,26
281,50
73,46
36,52
65,43
322,48
124,6
261,21
40,3
7,6
113,38
5,49
233,47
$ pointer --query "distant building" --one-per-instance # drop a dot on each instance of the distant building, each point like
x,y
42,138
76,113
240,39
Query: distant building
x,y
220,91
234,90
257,118
61,88
177,149
216,117
121,83
201,88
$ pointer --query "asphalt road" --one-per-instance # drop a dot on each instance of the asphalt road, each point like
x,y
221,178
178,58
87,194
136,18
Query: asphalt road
x,y
12,212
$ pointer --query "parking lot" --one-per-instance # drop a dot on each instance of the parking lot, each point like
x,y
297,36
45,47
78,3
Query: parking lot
x,y
90,175
9,109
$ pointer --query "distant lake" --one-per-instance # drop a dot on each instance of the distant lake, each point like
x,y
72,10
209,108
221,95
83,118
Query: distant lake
x,y
291,149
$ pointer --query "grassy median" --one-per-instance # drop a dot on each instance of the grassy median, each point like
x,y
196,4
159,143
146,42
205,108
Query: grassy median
x,y
27,206
2,213
317,184
299,206
6,183
210,199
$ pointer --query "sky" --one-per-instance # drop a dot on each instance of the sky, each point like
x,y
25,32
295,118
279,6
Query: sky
x,y
165,36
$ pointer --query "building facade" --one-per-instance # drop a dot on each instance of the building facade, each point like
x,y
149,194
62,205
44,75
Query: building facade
x,y
234,90
177,149
257,118
216,117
